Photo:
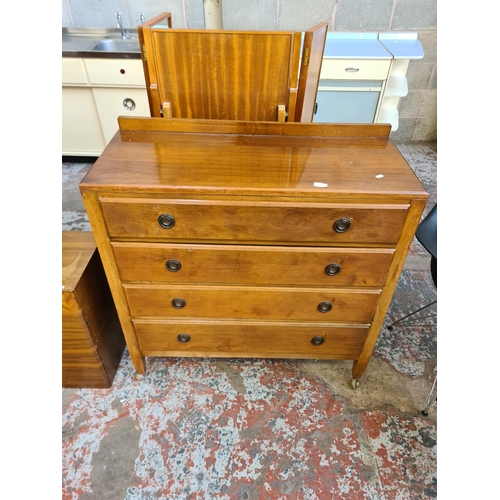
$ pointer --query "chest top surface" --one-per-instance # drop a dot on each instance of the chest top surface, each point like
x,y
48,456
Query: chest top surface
x,y
258,159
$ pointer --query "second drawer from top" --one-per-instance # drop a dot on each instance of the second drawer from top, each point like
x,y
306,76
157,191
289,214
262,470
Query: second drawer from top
x,y
253,265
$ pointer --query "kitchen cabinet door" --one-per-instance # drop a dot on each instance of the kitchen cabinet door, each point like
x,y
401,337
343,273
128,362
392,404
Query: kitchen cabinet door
x,y
114,102
81,128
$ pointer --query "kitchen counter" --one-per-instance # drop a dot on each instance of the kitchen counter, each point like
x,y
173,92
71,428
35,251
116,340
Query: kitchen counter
x,y
340,45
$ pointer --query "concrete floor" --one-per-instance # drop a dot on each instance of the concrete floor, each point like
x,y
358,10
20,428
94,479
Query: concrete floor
x,y
264,429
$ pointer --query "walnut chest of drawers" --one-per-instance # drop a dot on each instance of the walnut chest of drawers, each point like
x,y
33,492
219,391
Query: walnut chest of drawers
x,y
252,239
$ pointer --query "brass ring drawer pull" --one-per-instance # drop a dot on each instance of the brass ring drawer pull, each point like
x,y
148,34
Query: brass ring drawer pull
x,y
183,338
332,269
325,307
178,303
317,340
341,225
173,265
166,221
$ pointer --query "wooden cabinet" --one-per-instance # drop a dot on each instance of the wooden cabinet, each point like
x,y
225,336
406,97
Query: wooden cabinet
x,y
94,93
92,340
252,239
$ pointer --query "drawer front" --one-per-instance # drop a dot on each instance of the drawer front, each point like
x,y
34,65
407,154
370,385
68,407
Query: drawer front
x,y
249,339
115,72
256,222
234,264
342,305
354,69
73,71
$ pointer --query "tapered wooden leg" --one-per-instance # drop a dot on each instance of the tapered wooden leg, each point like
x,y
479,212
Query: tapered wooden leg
x,y
139,365
358,369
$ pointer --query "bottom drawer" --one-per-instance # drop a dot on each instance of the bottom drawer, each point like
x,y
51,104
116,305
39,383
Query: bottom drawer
x,y
250,339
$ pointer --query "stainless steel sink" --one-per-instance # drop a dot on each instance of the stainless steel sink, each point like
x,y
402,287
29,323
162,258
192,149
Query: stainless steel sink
x,y
117,46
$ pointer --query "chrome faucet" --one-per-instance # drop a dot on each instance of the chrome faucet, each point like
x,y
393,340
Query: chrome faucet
x,y
142,18
120,24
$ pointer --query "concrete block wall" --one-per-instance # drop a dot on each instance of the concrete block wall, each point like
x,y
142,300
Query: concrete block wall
x,y
417,111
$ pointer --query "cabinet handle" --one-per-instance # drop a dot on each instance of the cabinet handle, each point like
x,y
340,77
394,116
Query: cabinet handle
x,y
183,338
129,104
173,265
352,69
166,221
178,303
332,269
341,225
324,307
317,340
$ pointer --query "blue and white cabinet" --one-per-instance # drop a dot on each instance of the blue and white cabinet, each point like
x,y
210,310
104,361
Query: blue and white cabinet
x,y
363,77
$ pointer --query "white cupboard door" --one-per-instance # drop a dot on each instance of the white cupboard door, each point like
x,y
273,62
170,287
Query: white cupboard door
x,y
114,102
81,128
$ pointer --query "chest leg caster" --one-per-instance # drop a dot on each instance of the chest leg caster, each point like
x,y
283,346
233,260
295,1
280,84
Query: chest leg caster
x,y
355,383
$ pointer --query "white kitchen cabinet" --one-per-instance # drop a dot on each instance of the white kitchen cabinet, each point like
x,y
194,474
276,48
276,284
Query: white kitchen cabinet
x,y
94,93
114,102
352,80
363,77
115,72
403,48
81,128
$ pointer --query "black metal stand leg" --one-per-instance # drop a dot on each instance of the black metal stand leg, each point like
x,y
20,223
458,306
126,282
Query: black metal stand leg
x,y
391,326
432,399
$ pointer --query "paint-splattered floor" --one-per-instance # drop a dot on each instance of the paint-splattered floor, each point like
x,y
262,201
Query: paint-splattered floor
x,y
264,429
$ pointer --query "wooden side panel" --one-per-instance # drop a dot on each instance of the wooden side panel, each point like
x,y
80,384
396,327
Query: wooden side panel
x,y
411,223
310,69
92,339
92,207
148,63
294,82
81,364
223,74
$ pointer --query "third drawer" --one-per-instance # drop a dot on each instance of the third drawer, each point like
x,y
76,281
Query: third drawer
x,y
344,305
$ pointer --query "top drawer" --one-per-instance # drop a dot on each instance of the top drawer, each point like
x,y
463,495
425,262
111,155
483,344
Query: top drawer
x,y
259,222
354,69
115,72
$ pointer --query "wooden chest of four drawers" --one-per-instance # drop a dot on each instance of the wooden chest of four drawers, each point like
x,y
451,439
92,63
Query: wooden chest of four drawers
x,y
246,239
